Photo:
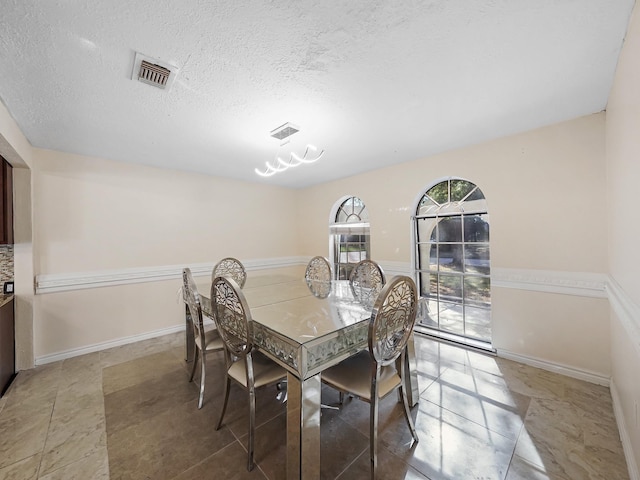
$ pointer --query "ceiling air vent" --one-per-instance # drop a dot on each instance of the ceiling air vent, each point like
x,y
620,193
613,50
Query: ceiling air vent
x,y
284,131
154,72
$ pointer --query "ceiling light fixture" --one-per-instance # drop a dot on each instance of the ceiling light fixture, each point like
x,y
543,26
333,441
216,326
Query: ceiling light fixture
x,y
282,133
294,161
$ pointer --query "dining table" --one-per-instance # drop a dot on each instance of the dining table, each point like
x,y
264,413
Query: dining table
x,y
306,327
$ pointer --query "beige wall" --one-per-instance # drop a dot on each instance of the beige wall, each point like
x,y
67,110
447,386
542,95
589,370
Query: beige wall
x,y
544,189
623,176
94,215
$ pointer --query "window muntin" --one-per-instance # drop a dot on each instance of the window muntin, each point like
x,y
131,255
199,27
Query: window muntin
x,y
350,236
453,259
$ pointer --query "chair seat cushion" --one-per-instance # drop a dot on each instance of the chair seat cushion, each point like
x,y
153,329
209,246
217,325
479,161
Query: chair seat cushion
x,y
212,341
265,370
353,375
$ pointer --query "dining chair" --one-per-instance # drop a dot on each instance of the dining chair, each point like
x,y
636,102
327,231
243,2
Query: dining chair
x,y
230,267
318,268
366,281
372,374
244,364
205,341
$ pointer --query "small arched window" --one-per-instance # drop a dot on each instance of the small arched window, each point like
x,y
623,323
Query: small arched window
x,y
349,232
452,262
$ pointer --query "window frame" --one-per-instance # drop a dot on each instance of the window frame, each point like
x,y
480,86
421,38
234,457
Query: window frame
x,y
465,274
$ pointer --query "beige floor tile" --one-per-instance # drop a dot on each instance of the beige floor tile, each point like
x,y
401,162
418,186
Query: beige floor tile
x,y
76,431
554,437
389,467
450,446
228,463
132,351
94,467
474,396
26,469
22,435
137,371
521,469
166,444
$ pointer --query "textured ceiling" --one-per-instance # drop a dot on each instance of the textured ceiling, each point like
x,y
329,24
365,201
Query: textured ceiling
x,y
371,82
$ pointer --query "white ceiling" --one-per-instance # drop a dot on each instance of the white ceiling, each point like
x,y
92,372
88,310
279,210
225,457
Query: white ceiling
x,y
372,82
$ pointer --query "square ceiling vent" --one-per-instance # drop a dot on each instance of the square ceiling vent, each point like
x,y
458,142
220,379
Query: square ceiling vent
x,y
153,71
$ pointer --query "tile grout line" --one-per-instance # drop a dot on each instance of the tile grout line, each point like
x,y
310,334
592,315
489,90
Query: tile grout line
x,y
49,425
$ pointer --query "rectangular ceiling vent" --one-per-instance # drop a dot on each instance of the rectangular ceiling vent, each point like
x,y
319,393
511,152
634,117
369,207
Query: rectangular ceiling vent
x,y
284,131
153,72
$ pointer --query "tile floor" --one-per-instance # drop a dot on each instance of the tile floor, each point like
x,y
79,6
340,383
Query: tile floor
x,y
129,413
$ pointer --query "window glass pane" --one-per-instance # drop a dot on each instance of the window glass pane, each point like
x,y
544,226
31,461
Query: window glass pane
x,y
429,314
449,208
433,286
450,229
478,323
450,287
477,195
477,291
451,317
429,285
476,228
460,189
426,206
352,210
450,257
440,192
476,259
474,206
426,229
427,256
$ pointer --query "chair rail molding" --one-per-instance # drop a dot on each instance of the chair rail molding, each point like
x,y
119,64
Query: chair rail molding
x,y
64,282
628,312
582,284
569,283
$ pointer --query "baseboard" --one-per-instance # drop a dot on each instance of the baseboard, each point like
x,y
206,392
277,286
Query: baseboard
x,y
572,372
97,347
632,464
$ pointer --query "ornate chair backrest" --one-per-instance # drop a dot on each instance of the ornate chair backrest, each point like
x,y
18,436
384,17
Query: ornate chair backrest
x,y
318,268
230,267
232,315
366,281
392,319
192,299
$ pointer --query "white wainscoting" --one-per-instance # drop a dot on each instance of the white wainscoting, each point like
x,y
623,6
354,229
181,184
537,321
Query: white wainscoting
x,y
632,465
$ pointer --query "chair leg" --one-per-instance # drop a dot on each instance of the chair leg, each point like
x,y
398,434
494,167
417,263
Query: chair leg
x,y
227,386
195,362
373,433
407,413
203,362
252,426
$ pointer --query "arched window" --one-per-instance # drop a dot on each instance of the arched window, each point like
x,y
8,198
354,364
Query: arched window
x,y
452,262
349,231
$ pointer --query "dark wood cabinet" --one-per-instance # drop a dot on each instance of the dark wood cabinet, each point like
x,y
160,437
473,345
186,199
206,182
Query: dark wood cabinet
x,y
7,346
6,203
